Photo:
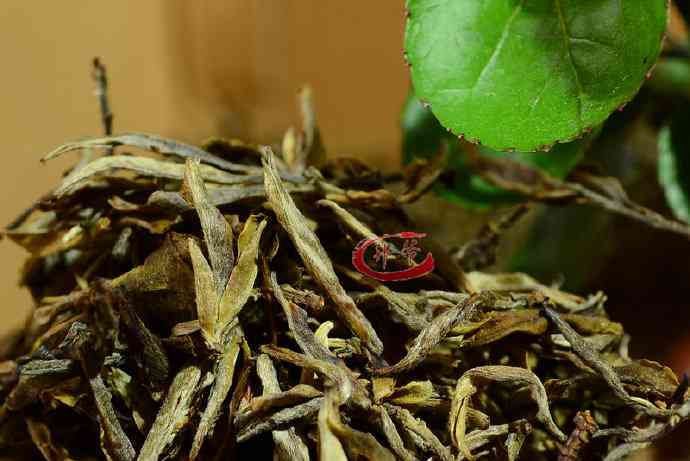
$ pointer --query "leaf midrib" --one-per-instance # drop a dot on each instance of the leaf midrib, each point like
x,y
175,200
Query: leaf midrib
x,y
566,43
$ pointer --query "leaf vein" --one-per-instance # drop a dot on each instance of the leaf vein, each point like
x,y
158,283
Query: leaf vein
x,y
499,44
566,43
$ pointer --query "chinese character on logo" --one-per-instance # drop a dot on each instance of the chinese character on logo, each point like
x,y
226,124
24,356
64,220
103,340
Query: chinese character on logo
x,y
410,250
382,252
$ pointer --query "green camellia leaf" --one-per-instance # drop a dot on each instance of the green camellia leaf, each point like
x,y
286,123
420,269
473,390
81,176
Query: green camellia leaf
x,y
424,137
526,74
674,164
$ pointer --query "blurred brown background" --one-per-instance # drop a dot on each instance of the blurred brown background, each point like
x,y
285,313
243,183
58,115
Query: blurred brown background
x,y
189,70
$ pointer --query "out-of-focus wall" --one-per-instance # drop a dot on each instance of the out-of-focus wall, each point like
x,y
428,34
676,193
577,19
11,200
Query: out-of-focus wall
x,y
189,69
46,98
245,60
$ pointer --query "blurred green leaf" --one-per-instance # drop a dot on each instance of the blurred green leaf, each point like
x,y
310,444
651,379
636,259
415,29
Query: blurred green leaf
x,y
672,77
424,137
511,74
674,164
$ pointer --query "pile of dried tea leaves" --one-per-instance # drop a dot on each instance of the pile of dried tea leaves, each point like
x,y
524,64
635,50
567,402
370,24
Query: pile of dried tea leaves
x,y
201,303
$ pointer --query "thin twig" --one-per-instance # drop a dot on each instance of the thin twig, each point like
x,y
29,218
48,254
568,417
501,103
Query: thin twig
x,y
630,209
539,186
100,77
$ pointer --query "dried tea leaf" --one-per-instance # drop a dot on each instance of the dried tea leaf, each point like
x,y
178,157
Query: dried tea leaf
x,y
297,321
42,438
268,402
114,442
392,436
310,300
588,355
425,439
499,324
330,447
134,396
382,387
649,377
357,444
154,144
315,257
357,227
147,348
105,166
224,371
522,282
339,377
281,419
207,298
241,282
217,231
424,175
481,251
401,309
312,151
34,377
288,444
589,325
439,327
415,394
467,386
173,414
163,284
479,438
457,419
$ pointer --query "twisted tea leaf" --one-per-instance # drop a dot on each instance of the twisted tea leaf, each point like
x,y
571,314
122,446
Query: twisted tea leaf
x,y
288,444
439,327
315,257
357,444
217,231
392,436
330,447
173,414
467,386
423,437
281,419
154,144
223,373
105,166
